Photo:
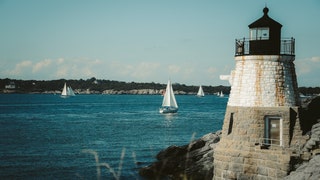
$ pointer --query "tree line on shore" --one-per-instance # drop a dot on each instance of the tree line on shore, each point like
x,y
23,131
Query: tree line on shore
x,y
100,85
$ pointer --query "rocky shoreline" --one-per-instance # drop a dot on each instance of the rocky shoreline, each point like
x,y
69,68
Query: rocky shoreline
x,y
195,160
191,161
107,92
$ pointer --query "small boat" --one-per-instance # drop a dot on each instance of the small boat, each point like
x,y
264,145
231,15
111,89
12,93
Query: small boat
x,y
221,94
200,92
169,103
67,91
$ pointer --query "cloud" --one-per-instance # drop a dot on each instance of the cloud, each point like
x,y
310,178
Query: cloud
x,y
144,70
132,72
42,65
174,69
308,65
56,69
308,71
61,72
315,59
188,71
21,68
60,61
76,68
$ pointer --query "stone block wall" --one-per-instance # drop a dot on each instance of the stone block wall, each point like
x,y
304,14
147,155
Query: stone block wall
x,y
265,81
238,162
240,153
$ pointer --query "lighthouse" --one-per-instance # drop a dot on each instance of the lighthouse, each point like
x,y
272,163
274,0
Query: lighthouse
x,y
261,128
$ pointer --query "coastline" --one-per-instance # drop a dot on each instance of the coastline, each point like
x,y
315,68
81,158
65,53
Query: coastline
x,y
195,160
106,92
101,86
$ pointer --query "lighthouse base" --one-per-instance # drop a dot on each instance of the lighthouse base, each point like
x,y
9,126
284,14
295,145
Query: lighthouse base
x,y
257,143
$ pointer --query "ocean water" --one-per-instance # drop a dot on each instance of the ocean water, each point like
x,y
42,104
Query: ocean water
x,y
44,136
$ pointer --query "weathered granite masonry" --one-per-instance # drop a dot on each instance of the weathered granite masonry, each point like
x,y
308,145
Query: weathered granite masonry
x,y
264,81
261,134
242,154
249,159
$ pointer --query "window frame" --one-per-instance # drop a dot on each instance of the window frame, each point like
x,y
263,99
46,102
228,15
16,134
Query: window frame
x,y
267,133
258,33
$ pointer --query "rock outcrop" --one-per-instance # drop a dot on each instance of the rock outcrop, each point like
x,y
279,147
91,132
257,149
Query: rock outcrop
x,y
191,161
195,160
308,170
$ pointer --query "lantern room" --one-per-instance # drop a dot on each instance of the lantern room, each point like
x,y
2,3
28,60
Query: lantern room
x,y
264,35
264,39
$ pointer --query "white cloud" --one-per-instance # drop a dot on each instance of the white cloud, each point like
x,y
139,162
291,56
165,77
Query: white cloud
x,y
188,71
315,59
147,71
117,68
61,72
21,68
308,71
76,68
42,65
308,65
60,61
174,69
144,70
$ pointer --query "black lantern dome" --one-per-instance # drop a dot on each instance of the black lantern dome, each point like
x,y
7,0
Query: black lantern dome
x,y
265,36
265,39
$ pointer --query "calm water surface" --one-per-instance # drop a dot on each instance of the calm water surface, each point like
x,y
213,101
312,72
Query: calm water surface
x,y
49,137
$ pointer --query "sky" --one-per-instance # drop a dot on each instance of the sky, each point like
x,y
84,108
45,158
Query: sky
x,y
188,41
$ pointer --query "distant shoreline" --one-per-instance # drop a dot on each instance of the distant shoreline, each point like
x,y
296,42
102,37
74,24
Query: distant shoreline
x,y
106,92
101,86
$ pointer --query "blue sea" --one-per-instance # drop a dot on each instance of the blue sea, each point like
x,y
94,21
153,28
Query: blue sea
x,y
44,136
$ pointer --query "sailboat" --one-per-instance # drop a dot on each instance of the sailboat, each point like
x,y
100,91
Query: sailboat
x,y
200,92
67,91
221,94
169,103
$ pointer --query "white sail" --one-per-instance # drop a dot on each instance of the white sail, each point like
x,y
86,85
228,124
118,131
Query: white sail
x,y
221,94
169,103
67,91
64,90
200,92
70,91
169,99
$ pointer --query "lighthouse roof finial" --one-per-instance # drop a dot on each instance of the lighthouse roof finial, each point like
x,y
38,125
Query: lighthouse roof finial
x,y
265,11
265,21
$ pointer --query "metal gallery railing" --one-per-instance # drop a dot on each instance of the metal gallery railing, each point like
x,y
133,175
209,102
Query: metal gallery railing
x,y
242,46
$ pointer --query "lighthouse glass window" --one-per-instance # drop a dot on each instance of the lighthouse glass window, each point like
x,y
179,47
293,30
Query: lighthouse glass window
x,y
259,33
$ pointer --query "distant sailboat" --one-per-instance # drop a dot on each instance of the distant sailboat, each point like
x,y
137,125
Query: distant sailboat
x,y
221,94
169,103
67,91
200,92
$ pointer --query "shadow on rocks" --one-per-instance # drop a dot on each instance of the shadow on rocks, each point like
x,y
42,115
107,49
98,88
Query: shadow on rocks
x,y
191,161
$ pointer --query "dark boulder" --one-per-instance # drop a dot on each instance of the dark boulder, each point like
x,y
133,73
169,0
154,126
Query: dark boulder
x,y
308,170
191,161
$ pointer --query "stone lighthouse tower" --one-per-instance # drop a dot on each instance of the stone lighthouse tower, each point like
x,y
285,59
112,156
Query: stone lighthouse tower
x,y
261,125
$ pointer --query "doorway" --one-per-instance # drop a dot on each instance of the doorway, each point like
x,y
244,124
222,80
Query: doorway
x,y
273,130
